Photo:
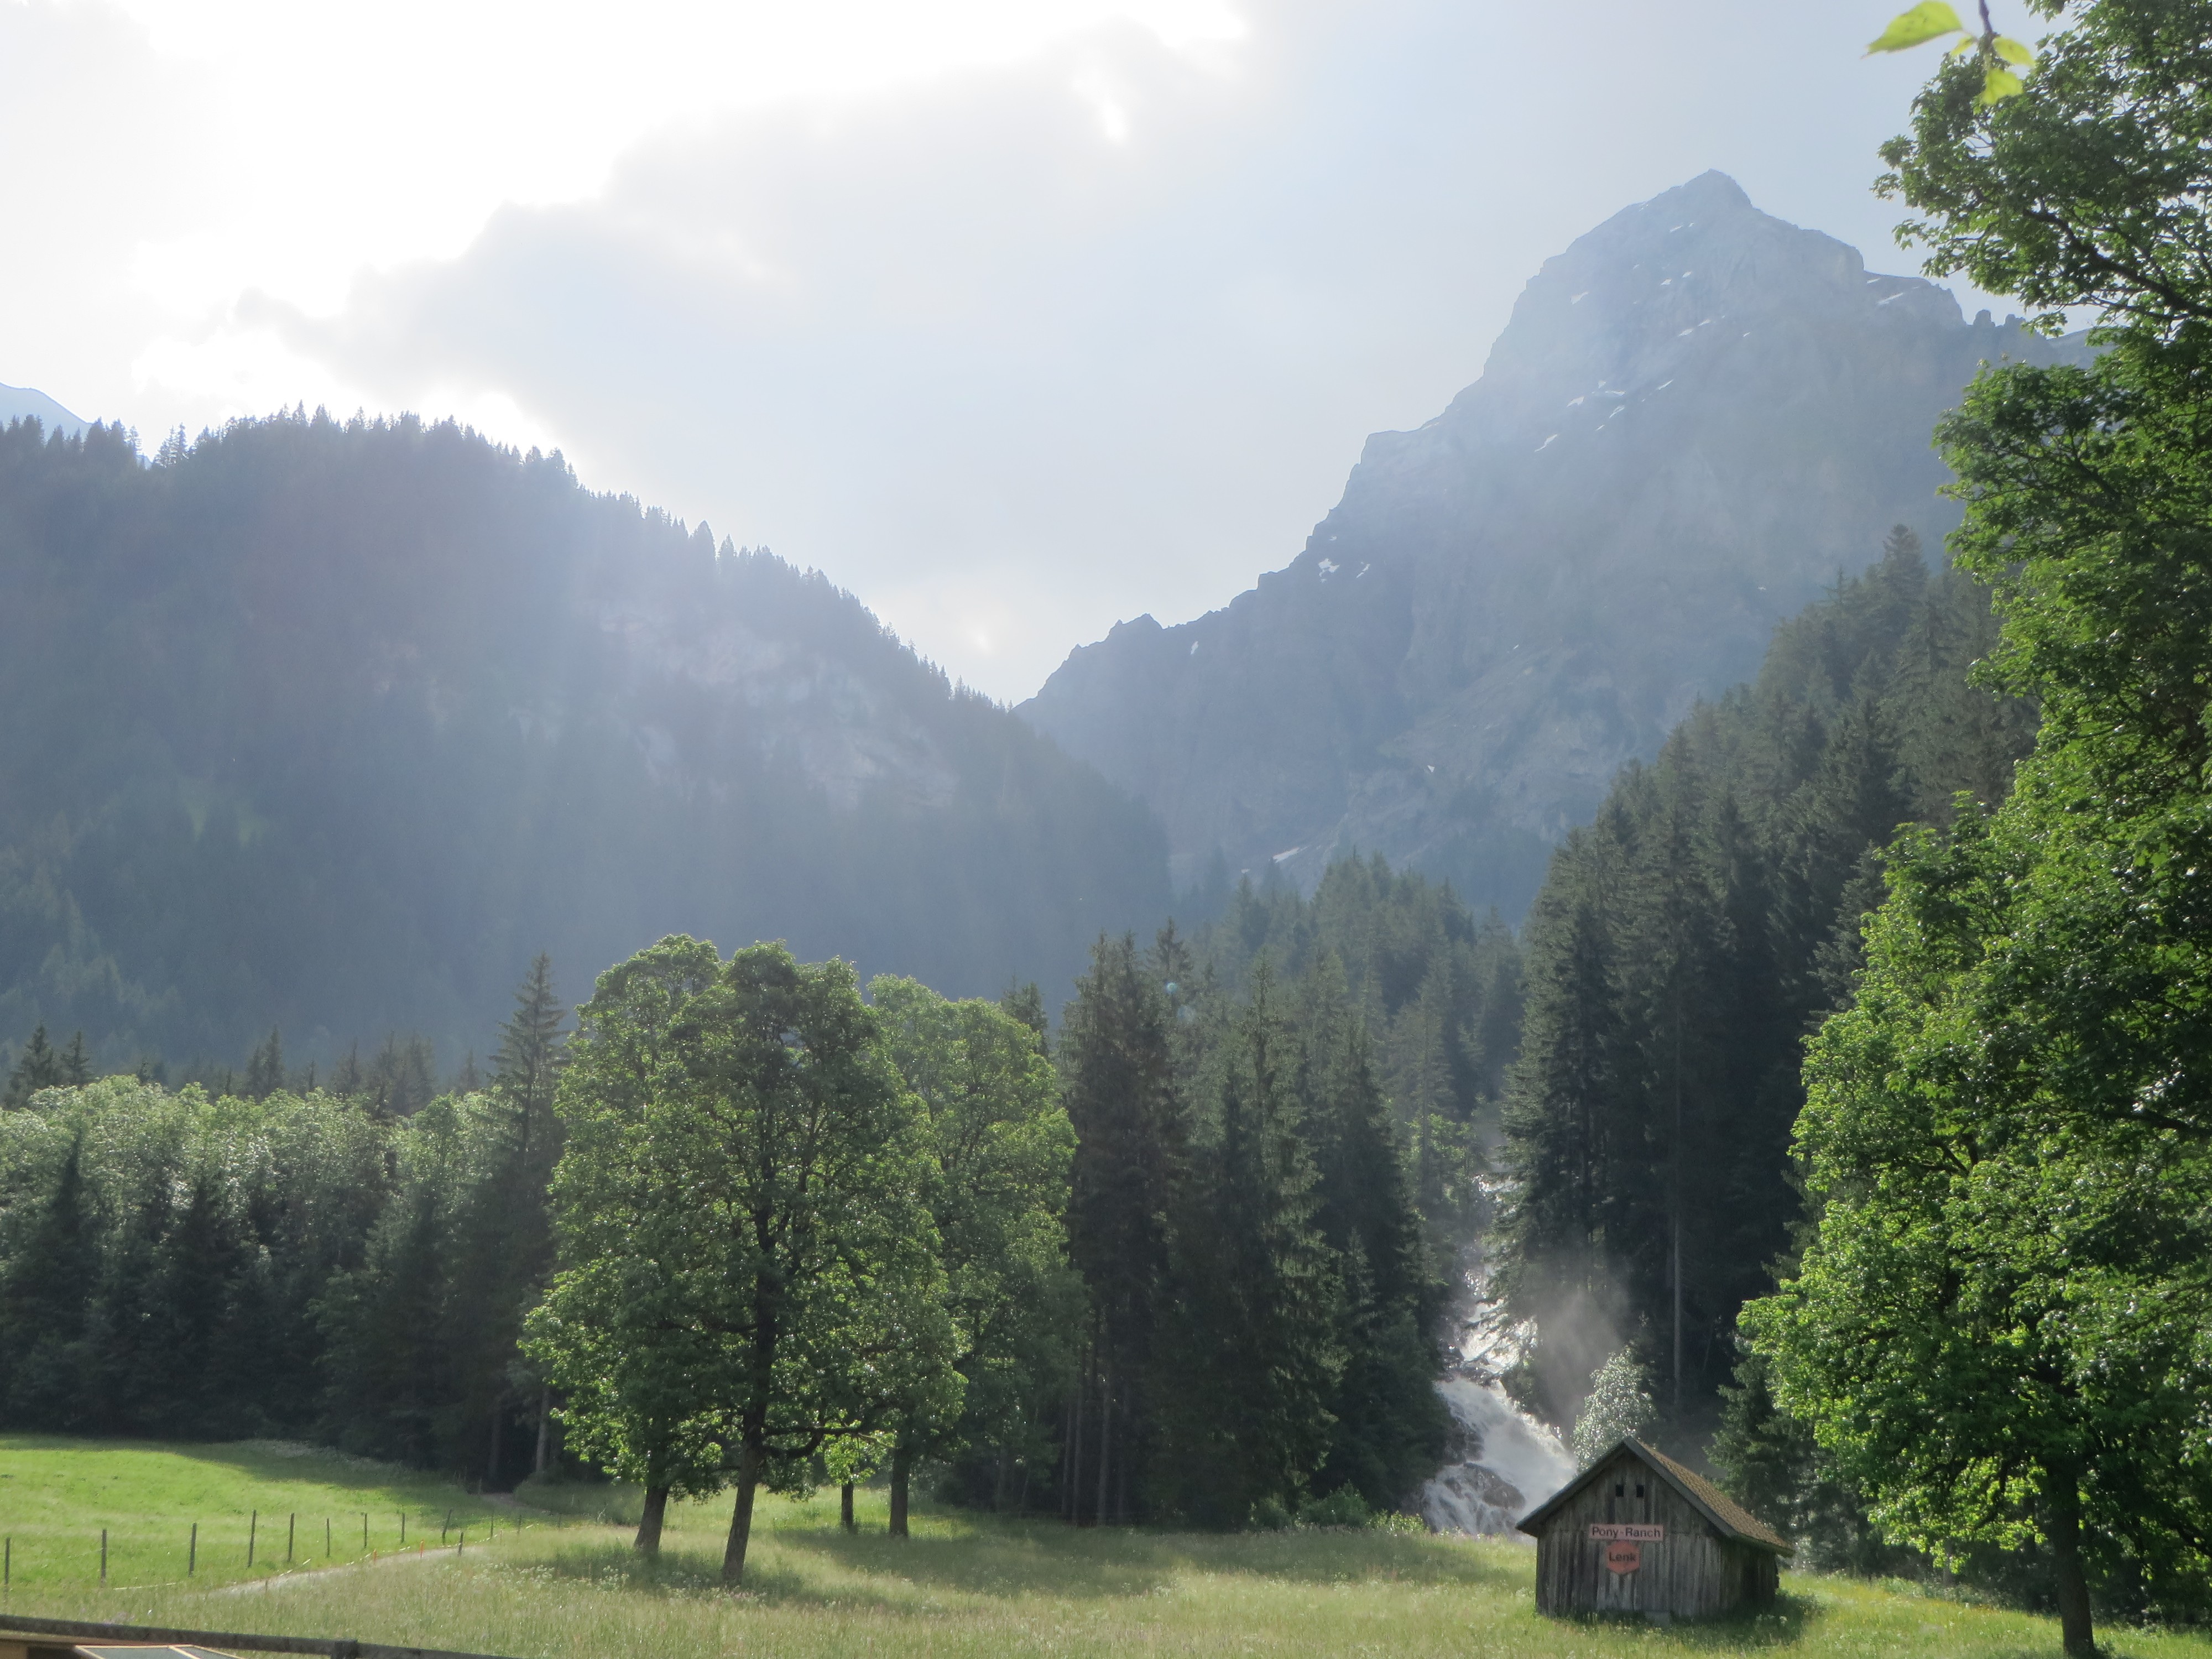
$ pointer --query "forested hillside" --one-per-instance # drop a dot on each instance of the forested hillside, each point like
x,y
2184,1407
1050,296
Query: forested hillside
x,y
1437,993
1686,943
330,727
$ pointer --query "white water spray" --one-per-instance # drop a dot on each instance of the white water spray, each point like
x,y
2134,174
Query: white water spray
x,y
1503,1461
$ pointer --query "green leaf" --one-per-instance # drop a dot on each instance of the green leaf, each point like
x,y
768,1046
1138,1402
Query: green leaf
x,y
1965,46
2000,85
2013,53
1924,22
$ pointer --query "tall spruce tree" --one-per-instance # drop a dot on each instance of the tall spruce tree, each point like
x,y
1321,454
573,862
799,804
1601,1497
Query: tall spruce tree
x,y
1257,1338
264,1070
1389,1425
510,1233
37,1067
52,1263
1124,1102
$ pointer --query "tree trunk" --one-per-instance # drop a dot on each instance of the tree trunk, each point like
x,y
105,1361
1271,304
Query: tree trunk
x,y
741,1517
2063,1493
1105,1437
902,1464
648,1521
491,1463
545,1429
1122,1468
1072,1474
1066,1452
845,1508
1675,1196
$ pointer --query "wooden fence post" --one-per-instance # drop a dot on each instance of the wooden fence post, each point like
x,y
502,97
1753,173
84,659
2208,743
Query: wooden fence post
x,y
192,1552
103,1558
252,1536
291,1527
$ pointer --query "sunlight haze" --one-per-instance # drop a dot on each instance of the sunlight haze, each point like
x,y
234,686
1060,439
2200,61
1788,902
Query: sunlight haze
x,y
1015,319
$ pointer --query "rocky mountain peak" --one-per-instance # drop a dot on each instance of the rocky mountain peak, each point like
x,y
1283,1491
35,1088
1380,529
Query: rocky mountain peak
x,y
1697,415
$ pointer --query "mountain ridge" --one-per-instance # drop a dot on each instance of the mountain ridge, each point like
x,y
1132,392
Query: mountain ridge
x,y
1697,417
331,726
23,403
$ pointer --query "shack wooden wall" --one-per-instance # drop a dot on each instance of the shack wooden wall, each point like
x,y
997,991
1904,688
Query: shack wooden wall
x,y
1693,1572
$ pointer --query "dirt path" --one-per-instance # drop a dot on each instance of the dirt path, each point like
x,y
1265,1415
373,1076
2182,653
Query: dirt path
x,y
396,1557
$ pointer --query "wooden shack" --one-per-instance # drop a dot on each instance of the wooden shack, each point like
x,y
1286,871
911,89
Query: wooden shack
x,y
1637,1533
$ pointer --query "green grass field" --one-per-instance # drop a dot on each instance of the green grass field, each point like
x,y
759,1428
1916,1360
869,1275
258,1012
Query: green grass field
x,y
56,1494
569,1588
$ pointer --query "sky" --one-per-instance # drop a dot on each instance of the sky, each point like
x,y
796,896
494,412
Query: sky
x,y
1018,317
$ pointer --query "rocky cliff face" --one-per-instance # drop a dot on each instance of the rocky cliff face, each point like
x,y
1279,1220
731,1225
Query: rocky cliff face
x,y
1697,417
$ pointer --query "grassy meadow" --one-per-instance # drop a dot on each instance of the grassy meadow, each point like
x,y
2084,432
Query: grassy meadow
x,y
569,1587
57,1493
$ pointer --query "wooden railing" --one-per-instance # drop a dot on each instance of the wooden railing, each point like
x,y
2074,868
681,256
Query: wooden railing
x,y
78,1630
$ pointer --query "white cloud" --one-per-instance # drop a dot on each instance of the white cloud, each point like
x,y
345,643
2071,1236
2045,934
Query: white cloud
x,y
1016,316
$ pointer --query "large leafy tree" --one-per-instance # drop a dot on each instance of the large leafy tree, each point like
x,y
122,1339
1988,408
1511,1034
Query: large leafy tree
x,y
752,1175
2000,1326
997,1144
636,1374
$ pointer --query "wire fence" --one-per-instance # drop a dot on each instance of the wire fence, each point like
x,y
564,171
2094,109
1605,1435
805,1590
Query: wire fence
x,y
268,1546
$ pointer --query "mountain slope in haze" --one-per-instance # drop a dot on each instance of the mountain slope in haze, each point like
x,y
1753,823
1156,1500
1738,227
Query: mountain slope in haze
x,y
21,402
331,726
1697,417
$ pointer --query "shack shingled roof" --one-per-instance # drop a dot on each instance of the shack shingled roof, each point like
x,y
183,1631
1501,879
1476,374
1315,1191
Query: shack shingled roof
x,y
1724,1512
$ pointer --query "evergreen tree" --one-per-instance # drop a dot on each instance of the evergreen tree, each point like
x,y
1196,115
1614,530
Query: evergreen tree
x,y
1257,1351
163,1256
1389,1425
38,1067
1125,1103
508,1231
264,1072
50,1267
1682,946
401,1080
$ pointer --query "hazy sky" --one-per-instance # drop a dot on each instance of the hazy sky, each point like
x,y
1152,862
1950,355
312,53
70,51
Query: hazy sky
x,y
1016,317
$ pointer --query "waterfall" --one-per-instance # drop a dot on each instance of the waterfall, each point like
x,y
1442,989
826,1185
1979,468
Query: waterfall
x,y
1506,1461
1503,1461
